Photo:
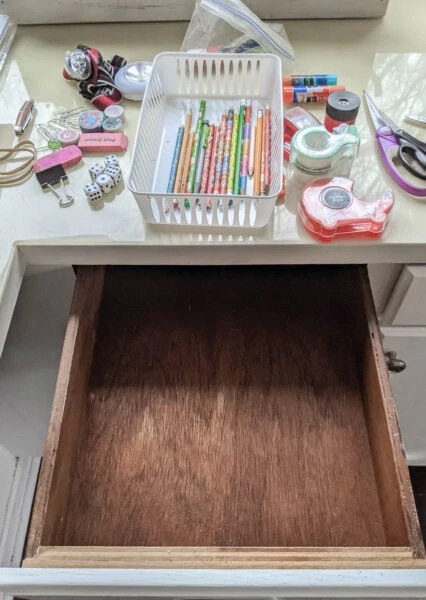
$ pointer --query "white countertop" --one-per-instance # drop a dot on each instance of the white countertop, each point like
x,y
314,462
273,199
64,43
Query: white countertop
x,y
34,230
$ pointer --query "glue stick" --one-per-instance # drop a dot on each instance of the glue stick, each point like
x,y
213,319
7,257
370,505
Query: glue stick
x,y
303,93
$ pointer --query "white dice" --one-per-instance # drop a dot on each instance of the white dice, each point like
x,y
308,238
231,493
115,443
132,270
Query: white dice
x,y
95,170
105,182
111,159
104,178
114,172
93,192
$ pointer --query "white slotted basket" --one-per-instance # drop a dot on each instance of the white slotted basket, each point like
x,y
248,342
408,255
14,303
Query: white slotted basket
x,y
177,84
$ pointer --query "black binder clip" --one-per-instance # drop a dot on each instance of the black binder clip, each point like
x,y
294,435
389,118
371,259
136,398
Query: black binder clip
x,y
53,176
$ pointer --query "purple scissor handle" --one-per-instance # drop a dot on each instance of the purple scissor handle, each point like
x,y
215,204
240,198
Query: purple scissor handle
x,y
395,143
389,148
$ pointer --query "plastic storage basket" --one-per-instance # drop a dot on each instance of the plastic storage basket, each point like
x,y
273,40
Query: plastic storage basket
x,y
178,82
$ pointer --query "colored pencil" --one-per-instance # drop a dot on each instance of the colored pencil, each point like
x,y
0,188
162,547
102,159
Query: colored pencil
x,y
219,159
233,159
245,158
227,151
258,153
247,113
267,142
251,154
207,161
186,132
246,148
187,162
175,160
213,161
201,154
239,149
196,148
262,160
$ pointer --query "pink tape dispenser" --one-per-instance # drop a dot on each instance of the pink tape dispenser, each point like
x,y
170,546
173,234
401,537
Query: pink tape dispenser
x,y
328,209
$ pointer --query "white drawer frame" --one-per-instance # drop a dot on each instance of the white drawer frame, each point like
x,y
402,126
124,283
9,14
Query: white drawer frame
x,y
209,584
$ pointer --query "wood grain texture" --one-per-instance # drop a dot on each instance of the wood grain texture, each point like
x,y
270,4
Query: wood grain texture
x,y
223,558
224,409
392,474
56,471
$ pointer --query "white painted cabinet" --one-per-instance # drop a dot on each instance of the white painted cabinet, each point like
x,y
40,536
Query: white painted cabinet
x,y
409,387
51,583
403,323
407,303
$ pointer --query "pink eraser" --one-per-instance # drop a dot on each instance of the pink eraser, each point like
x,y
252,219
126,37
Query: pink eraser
x,y
65,156
103,142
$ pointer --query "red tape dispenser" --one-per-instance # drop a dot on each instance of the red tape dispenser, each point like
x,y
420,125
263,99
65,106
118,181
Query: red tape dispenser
x,y
329,209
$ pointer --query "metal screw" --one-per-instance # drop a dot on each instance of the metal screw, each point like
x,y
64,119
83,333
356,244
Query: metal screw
x,y
395,365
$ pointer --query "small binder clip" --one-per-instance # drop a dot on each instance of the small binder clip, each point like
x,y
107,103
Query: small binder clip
x,y
52,176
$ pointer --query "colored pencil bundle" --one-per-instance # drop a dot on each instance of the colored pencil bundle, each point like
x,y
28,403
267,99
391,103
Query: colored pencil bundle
x,y
229,157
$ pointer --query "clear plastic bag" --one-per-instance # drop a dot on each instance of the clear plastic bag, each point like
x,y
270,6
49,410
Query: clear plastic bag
x,y
7,35
229,26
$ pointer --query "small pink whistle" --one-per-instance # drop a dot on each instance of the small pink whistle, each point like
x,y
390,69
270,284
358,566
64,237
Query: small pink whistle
x,y
66,157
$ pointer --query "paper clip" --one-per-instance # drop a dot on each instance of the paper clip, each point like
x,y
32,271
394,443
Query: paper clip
x,y
68,117
50,135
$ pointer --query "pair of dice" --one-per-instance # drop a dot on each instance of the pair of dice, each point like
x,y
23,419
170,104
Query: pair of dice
x,y
104,178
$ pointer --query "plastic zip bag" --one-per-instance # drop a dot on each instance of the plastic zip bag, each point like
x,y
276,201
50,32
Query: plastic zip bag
x,y
7,35
229,26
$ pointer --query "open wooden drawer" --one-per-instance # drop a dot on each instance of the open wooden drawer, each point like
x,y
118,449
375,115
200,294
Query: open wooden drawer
x,y
236,417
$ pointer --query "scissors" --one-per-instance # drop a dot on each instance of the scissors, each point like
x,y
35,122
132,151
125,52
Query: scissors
x,y
394,141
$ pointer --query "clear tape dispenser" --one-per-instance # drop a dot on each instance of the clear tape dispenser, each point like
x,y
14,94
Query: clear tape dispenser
x,y
315,152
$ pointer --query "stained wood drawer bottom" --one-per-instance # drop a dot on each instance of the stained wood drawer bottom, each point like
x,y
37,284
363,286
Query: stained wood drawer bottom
x,y
223,417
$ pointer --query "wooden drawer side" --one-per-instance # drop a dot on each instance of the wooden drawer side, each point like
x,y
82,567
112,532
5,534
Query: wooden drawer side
x,y
392,475
55,476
